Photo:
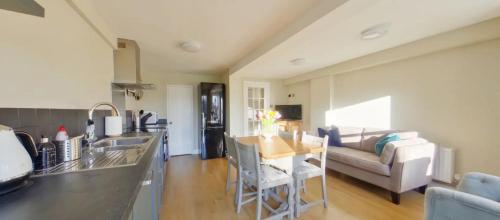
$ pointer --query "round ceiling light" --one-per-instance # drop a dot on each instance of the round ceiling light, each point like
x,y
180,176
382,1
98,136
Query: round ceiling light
x,y
298,61
375,32
190,46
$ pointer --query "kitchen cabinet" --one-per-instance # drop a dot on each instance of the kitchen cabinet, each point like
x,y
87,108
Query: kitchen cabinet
x,y
148,202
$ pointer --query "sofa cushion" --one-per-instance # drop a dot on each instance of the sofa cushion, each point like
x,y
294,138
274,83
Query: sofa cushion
x,y
333,135
323,131
480,184
371,136
360,159
351,136
379,146
387,155
407,135
351,130
369,140
365,138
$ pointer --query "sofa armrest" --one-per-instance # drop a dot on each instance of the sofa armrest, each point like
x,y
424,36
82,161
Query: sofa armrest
x,y
441,203
413,152
412,167
390,148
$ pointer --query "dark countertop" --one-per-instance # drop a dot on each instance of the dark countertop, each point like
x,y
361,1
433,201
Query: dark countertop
x,y
94,194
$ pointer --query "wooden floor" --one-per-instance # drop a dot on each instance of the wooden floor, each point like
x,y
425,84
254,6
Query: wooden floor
x,y
195,189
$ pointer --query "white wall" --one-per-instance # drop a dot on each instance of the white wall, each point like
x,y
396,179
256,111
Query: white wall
x,y
54,62
278,96
302,96
321,101
451,97
373,113
156,100
87,10
316,97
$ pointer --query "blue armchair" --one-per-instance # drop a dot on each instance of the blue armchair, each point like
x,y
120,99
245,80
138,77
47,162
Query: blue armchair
x,y
477,198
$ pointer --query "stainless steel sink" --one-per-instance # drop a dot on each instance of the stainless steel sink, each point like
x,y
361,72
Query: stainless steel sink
x,y
123,141
115,148
106,153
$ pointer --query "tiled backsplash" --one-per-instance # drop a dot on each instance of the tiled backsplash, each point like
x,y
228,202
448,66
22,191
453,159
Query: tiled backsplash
x,y
45,122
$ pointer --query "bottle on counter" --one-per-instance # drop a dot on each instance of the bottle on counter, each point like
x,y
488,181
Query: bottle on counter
x,y
46,155
62,134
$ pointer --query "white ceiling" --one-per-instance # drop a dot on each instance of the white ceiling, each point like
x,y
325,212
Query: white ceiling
x,y
227,29
335,37
258,38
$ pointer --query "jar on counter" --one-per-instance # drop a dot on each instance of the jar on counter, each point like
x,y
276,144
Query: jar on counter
x,y
46,155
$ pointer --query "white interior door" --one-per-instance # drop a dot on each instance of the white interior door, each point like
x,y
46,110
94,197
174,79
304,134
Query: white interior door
x,y
180,114
255,98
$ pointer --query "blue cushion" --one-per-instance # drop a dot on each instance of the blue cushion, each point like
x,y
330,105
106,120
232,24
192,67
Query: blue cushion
x,y
379,146
322,132
333,136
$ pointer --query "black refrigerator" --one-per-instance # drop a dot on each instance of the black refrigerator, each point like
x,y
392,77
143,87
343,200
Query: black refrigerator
x,y
212,120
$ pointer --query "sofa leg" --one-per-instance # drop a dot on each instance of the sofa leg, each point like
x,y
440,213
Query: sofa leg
x,y
396,197
422,189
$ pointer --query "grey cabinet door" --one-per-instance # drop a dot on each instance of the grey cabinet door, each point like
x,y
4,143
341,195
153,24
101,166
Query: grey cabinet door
x,y
143,206
159,178
148,202
158,181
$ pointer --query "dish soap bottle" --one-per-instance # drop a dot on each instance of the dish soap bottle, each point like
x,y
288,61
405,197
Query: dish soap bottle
x,y
46,155
62,135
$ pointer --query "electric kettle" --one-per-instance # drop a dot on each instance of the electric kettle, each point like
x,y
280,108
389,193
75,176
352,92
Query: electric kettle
x,y
15,162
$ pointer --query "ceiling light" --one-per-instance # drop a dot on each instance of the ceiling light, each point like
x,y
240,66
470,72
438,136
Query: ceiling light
x,y
190,46
298,61
375,32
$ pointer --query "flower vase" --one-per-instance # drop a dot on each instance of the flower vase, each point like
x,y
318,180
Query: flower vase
x,y
268,131
267,124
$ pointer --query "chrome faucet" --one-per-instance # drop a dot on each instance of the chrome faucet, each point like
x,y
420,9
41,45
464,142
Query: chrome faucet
x,y
90,130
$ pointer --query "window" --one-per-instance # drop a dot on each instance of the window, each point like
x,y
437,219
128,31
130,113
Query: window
x,y
256,98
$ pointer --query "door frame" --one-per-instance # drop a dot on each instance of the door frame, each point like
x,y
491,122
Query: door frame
x,y
267,95
194,126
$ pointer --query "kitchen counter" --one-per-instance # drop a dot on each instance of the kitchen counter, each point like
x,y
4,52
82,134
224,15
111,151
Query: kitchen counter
x,y
93,194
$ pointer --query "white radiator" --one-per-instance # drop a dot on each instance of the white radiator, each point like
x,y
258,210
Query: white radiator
x,y
444,164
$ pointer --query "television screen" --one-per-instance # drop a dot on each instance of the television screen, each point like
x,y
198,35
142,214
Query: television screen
x,y
290,112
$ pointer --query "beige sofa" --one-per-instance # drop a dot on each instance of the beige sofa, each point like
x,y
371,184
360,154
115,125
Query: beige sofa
x,y
403,165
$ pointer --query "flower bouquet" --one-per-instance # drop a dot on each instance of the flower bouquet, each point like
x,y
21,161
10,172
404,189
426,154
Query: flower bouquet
x,y
267,123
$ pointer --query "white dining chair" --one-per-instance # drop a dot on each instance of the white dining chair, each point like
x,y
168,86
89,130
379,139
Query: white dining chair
x,y
261,177
308,170
292,136
232,161
288,135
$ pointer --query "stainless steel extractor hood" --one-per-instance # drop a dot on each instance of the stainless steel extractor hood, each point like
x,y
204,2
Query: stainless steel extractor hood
x,y
128,69
143,86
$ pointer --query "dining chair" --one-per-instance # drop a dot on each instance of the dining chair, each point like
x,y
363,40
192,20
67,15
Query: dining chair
x,y
261,177
232,161
308,170
293,136
288,135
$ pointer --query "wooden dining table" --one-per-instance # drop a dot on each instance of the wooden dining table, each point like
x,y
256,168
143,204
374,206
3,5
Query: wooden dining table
x,y
283,153
278,147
